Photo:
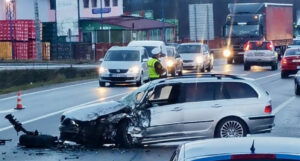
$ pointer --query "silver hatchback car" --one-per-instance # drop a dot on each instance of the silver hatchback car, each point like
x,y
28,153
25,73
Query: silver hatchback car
x,y
177,109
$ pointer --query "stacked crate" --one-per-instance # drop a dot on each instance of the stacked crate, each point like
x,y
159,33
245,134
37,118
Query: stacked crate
x,y
20,33
5,51
46,50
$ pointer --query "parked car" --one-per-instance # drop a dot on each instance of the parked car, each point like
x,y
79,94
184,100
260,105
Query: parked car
x,y
240,149
260,53
124,65
296,43
196,56
174,61
290,63
174,109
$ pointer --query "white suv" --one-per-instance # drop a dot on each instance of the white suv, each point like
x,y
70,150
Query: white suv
x,y
260,53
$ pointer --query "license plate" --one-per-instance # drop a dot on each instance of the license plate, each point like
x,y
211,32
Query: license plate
x,y
259,54
117,75
296,61
241,53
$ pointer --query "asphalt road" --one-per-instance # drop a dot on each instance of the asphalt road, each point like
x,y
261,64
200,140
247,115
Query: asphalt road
x,y
45,106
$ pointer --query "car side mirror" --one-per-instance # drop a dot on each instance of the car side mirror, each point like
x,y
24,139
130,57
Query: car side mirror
x,y
145,60
177,56
101,60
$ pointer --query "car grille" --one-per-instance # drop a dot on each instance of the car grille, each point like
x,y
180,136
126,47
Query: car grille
x,y
118,70
188,61
118,79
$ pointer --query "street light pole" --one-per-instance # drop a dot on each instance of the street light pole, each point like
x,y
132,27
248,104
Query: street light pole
x,y
37,30
10,15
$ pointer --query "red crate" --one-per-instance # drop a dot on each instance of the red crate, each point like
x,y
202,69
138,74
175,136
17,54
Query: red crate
x,y
21,50
32,53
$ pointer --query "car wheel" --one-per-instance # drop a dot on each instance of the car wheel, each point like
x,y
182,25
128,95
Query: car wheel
x,y
246,67
101,84
202,70
274,66
123,138
229,60
209,68
173,72
140,82
231,127
297,89
284,75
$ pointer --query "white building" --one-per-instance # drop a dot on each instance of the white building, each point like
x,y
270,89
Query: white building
x,y
25,9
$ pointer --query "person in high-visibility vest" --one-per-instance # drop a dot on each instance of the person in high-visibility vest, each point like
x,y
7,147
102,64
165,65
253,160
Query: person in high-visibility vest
x,y
156,70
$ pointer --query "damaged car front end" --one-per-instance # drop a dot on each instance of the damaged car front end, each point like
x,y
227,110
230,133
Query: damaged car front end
x,y
114,122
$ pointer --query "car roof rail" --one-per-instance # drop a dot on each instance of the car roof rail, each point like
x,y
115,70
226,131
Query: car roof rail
x,y
218,76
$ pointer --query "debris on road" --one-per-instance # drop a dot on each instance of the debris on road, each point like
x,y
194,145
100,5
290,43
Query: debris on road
x,y
32,139
3,141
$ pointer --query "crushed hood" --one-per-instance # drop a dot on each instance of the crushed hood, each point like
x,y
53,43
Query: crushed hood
x,y
94,111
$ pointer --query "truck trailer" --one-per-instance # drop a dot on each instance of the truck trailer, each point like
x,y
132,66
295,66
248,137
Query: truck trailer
x,y
256,21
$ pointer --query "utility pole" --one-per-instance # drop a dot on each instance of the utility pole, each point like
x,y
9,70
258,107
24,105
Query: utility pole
x,y
37,30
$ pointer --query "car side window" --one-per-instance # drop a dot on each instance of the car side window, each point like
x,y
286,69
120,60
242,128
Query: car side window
x,y
194,92
235,90
144,55
166,94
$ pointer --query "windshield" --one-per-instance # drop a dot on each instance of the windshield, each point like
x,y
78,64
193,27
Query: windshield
x,y
242,30
292,52
129,100
189,49
296,42
149,49
122,55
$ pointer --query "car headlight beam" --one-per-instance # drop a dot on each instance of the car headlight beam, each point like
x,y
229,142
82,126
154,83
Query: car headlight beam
x,y
227,53
170,63
134,70
199,59
102,70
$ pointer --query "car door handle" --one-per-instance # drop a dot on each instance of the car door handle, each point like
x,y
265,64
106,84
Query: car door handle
x,y
216,106
176,109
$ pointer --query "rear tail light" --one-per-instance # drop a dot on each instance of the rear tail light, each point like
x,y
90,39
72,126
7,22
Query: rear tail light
x,y
284,61
270,46
253,156
268,109
247,46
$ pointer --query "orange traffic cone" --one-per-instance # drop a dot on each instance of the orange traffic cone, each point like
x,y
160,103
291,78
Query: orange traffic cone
x,y
19,102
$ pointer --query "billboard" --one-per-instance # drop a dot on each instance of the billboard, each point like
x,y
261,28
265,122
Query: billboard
x,y
67,17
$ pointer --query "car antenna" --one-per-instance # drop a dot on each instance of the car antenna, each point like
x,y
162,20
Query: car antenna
x,y
252,148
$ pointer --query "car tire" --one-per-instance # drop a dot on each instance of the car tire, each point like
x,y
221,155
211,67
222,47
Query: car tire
x,y
202,70
247,67
284,75
209,68
229,60
274,66
123,139
173,72
236,124
101,84
297,89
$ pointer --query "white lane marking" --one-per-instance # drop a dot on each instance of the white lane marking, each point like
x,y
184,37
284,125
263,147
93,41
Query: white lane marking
x,y
7,111
272,75
48,90
284,104
64,110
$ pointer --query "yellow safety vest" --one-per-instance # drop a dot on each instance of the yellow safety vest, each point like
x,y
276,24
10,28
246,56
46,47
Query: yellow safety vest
x,y
151,68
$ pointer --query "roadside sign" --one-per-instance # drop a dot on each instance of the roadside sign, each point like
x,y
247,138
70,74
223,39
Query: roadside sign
x,y
101,10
